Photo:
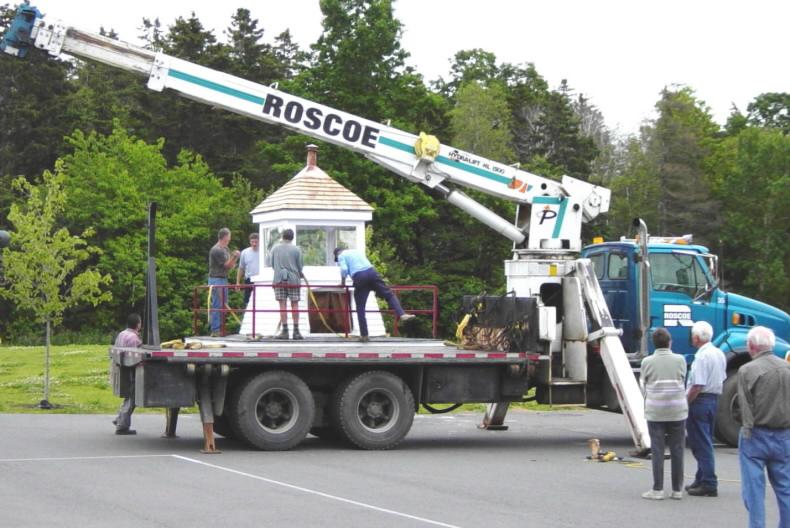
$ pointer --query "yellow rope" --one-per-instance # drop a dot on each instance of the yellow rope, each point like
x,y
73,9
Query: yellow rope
x,y
208,307
320,315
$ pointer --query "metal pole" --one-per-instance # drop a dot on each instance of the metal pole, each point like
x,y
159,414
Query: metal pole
x,y
151,324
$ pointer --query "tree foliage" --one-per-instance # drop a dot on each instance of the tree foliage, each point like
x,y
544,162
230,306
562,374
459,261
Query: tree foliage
x,y
111,179
207,168
751,174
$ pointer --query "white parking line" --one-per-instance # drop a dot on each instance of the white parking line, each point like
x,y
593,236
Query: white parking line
x,y
56,459
315,492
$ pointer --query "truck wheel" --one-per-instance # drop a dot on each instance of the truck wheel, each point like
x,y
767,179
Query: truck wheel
x,y
375,410
273,411
727,427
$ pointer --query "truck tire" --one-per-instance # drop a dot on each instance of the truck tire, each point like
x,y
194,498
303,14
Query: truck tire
x,y
727,426
273,411
374,410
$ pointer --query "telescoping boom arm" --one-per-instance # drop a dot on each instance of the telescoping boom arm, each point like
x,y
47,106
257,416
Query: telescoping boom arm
x,y
561,207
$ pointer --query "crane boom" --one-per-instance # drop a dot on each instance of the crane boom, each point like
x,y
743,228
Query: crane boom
x,y
563,206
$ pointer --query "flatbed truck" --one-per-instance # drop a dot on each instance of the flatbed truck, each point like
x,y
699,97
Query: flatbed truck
x,y
272,395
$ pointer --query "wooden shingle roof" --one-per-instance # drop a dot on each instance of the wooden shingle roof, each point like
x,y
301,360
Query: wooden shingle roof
x,y
312,189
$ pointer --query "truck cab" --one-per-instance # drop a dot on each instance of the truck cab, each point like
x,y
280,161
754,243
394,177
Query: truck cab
x,y
683,288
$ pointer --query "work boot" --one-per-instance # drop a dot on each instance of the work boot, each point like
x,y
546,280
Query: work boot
x,y
297,336
703,491
283,333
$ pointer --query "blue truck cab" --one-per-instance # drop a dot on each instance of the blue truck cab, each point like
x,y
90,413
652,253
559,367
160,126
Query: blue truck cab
x,y
684,288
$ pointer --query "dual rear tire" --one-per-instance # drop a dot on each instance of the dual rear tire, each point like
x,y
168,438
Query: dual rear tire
x,y
272,411
373,410
275,410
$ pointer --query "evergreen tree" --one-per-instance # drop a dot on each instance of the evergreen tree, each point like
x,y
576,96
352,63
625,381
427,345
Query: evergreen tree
x,y
679,142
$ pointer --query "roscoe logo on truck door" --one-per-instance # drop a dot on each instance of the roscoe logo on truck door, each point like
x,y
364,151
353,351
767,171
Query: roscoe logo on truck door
x,y
303,114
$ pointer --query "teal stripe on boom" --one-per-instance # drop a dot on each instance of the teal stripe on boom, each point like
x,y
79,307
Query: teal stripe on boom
x,y
396,144
216,87
546,200
560,217
447,161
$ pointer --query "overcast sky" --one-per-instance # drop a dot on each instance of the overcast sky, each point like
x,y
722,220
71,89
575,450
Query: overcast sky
x,y
619,53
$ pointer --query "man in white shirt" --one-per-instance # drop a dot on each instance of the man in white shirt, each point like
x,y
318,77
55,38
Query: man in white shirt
x,y
704,387
248,266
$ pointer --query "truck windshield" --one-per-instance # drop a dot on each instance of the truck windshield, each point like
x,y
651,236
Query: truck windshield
x,y
677,272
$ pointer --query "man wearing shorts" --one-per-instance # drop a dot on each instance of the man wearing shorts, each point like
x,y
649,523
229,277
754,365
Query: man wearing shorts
x,y
287,264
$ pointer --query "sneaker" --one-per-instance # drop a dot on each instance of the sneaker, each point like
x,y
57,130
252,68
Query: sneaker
x,y
297,336
407,317
283,334
214,334
364,339
703,491
692,485
677,495
653,495
125,431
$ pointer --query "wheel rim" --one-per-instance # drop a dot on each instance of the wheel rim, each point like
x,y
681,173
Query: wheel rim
x,y
378,410
277,410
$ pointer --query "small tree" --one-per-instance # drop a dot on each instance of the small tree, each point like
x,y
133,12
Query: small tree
x,y
43,266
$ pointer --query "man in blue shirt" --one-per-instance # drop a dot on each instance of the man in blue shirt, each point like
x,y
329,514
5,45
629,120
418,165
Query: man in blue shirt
x,y
705,383
354,264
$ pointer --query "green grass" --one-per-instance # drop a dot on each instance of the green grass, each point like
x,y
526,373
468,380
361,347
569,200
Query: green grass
x,y
79,382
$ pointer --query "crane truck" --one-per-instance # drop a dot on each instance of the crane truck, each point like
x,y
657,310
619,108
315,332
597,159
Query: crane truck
x,y
652,281
273,394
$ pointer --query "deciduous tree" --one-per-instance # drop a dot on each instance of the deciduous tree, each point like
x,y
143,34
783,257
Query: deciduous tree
x,y
44,268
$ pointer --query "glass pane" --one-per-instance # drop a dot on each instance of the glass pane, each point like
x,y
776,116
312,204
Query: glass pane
x,y
677,273
347,237
597,264
271,236
618,266
313,243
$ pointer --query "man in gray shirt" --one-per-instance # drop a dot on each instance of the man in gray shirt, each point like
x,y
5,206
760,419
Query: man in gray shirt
x,y
663,376
220,261
287,264
764,400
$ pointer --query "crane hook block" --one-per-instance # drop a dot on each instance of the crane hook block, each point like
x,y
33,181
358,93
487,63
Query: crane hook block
x,y
427,147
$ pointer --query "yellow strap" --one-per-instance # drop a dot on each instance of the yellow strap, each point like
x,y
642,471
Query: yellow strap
x,y
320,315
208,307
459,331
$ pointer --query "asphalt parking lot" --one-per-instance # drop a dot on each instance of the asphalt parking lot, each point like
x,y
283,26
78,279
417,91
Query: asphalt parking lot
x,y
71,470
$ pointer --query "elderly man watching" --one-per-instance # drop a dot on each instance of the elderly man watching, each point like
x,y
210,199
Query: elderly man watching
x,y
764,443
705,383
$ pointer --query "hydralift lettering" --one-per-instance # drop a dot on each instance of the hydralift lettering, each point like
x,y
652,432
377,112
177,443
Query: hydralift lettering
x,y
314,119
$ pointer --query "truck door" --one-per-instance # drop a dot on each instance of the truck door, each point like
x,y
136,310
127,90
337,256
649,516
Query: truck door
x,y
616,278
681,295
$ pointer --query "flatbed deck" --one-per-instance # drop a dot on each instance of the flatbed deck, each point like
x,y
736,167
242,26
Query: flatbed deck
x,y
329,349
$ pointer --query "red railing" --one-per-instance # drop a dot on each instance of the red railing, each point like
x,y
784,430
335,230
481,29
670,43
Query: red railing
x,y
202,310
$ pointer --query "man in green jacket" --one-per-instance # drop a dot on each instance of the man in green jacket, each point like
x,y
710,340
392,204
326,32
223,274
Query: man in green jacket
x,y
663,378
